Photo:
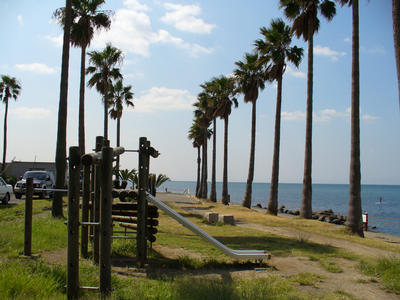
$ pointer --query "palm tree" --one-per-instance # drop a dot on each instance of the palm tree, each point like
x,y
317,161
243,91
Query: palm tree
x,y
203,114
9,88
275,50
119,96
104,71
61,155
304,14
161,178
250,78
86,19
127,175
396,37
225,91
196,134
354,218
211,89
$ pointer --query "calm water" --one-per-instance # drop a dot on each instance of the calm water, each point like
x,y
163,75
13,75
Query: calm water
x,y
385,216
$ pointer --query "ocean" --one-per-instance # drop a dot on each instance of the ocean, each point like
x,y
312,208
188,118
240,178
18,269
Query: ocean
x,y
384,214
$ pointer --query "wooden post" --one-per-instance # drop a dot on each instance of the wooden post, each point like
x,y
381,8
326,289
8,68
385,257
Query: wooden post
x,y
142,203
28,217
96,202
106,221
152,181
73,224
85,210
92,180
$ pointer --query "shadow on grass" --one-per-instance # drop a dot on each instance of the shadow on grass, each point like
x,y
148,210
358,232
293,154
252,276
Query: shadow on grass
x,y
9,205
191,215
161,267
279,246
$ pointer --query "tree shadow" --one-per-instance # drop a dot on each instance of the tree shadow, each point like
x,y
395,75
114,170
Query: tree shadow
x,y
160,267
279,246
8,205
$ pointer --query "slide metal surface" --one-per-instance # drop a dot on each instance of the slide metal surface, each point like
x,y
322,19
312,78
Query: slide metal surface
x,y
237,254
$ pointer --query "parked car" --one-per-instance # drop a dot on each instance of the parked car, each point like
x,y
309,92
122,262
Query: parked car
x,y
5,191
41,180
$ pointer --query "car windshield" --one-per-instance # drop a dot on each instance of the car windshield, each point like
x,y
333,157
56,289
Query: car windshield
x,y
35,175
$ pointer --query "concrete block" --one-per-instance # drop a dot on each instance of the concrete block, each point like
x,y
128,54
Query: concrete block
x,y
227,219
211,217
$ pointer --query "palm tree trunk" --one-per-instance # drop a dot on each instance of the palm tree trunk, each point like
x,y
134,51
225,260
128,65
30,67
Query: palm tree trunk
x,y
225,199
273,195
213,193
249,185
204,187
202,172
396,37
5,137
198,171
61,154
106,116
82,102
354,219
118,142
306,208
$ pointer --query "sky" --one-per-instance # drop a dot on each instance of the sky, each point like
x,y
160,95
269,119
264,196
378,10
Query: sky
x,y
170,48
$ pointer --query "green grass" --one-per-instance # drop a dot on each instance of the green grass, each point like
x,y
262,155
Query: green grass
x,y
174,235
11,212
330,266
306,278
311,226
31,280
387,269
47,234
185,277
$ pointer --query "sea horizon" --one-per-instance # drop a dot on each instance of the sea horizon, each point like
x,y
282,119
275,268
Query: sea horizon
x,y
209,182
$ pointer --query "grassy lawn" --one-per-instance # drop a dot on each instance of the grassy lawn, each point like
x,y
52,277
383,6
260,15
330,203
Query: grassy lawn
x,y
311,226
205,276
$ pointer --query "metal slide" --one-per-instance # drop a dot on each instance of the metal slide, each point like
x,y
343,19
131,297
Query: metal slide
x,y
237,254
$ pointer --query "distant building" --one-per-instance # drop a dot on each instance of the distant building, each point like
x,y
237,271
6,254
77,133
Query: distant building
x,y
18,168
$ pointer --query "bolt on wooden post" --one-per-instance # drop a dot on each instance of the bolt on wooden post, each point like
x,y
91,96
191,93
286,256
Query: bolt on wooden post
x,y
73,224
106,221
28,217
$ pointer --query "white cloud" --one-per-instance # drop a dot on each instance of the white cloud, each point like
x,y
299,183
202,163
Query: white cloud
x,y
164,99
135,5
20,20
293,116
347,40
164,36
369,117
31,113
326,51
294,73
324,115
36,68
57,40
184,18
131,31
